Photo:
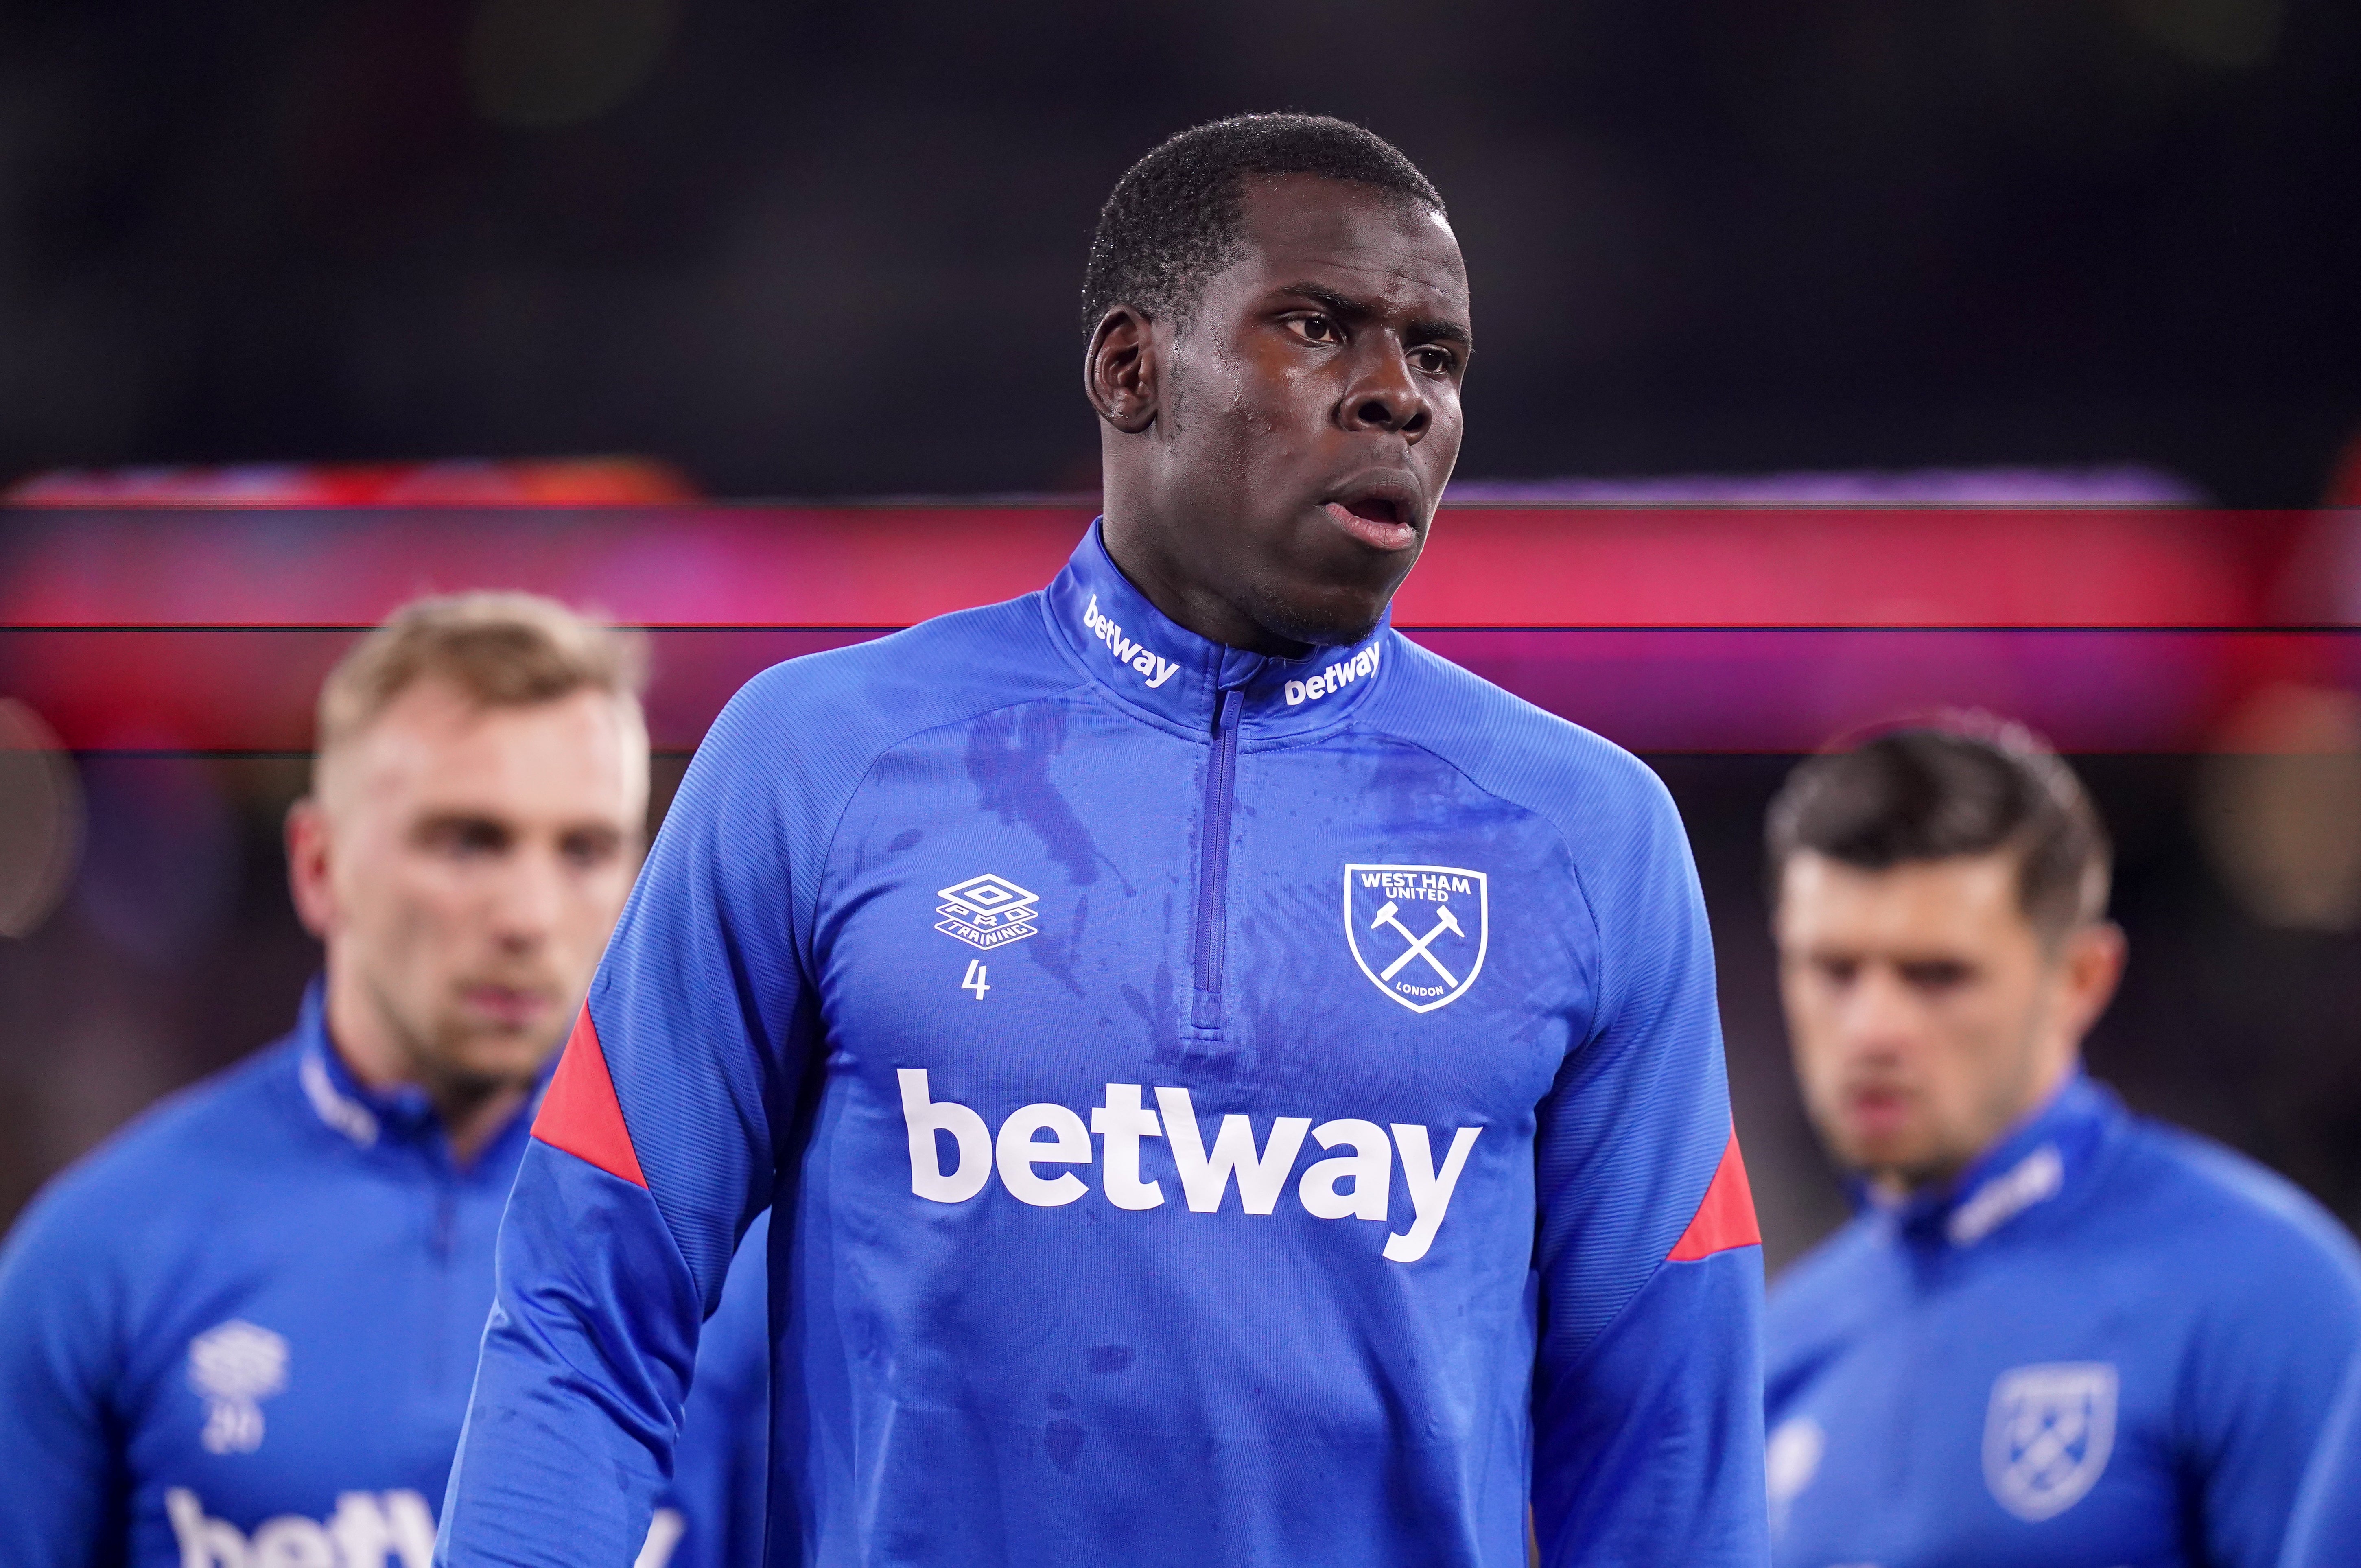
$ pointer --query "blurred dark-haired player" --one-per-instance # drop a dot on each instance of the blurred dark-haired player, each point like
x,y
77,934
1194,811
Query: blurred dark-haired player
x,y
1236,1089
2057,1333
241,1335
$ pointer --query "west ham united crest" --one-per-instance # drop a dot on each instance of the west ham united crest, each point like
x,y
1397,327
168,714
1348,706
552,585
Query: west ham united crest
x,y
2047,1436
1418,932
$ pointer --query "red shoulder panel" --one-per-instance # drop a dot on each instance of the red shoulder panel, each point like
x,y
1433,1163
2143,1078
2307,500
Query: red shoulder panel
x,y
1726,1218
580,1113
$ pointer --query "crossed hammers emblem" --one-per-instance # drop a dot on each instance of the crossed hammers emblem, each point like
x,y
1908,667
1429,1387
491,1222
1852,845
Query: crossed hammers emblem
x,y
1443,921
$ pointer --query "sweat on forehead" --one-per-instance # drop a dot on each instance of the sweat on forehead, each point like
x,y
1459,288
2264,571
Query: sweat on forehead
x,y
1178,217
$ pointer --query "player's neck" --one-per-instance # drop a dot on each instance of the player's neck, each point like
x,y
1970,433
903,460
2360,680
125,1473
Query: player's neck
x,y
474,1114
371,1044
1186,604
1134,539
2051,1076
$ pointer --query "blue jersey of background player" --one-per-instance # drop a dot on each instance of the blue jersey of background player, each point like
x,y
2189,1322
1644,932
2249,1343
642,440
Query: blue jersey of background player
x,y
242,1333
1236,1088
2326,1530
2057,1333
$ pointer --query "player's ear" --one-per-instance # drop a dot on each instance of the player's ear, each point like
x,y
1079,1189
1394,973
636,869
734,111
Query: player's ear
x,y
2094,964
307,865
1121,371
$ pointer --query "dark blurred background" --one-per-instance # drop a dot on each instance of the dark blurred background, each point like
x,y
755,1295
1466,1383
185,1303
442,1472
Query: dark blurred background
x,y
808,250
796,250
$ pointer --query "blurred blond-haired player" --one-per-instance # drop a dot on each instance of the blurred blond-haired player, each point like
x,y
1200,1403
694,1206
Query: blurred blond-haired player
x,y
241,1333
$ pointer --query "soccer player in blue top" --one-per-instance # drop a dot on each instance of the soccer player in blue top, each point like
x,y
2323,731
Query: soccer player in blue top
x,y
241,1335
1232,1087
2057,1333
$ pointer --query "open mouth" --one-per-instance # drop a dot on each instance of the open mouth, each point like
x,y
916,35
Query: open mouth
x,y
1378,514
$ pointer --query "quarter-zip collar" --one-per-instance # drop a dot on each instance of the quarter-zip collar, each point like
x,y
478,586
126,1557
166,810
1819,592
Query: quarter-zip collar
x,y
1152,664
2031,1165
399,1117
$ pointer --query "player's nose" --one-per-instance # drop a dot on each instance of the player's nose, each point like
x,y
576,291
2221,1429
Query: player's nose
x,y
1880,1011
530,901
1384,393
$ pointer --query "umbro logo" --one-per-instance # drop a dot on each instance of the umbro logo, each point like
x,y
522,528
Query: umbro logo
x,y
233,1367
987,912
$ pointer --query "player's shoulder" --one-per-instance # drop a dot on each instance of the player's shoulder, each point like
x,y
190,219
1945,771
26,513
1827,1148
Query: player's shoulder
x,y
1523,753
164,1167
1824,1305
856,701
1822,1291
2252,1223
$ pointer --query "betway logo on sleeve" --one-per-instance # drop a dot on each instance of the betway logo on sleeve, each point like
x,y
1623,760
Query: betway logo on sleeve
x,y
1154,668
1355,1184
1335,678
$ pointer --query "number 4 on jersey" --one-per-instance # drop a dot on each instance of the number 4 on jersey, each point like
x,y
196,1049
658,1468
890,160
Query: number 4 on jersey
x,y
974,980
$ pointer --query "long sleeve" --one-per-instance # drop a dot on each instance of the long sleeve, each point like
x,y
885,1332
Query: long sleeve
x,y
652,1152
1647,1404
722,1469
61,1504
2326,1529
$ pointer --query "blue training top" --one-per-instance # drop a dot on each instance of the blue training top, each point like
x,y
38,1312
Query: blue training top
x,y
241,1335
1232,1109
2108,1342
2326,1531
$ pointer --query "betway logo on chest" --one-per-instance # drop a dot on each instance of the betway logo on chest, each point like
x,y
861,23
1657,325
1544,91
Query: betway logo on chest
x,y
369,1529
1335,678
1153,667
1356,1184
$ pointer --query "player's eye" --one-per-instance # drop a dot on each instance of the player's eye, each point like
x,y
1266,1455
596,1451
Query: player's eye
x,y
590,848
1433,360
464,838
1313,328
1839,973
1935,975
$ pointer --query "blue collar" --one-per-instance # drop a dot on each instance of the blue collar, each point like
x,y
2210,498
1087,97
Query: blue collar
x,y
402,1115
1151,664
2036,1161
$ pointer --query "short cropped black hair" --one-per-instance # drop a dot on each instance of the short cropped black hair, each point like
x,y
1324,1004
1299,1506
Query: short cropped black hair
x,y
1176,218
1968,787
